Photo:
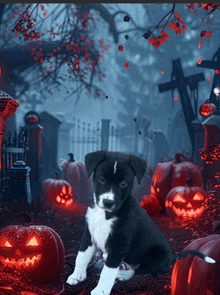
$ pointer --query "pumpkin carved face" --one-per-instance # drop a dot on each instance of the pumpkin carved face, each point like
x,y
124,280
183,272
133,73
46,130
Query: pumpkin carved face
x,y
206,109
185,202
37,251
58,192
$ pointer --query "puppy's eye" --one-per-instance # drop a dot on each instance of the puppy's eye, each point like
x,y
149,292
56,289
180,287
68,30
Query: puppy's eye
x,y
101,179
123,184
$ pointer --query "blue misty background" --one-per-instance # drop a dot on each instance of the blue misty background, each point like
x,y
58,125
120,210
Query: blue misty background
x,y
132,92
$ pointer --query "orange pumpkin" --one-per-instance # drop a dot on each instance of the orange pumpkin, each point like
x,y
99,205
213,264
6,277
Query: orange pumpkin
x,y
151,204
58,191
75,173
194,276
36,251
207,109
171,174
185,202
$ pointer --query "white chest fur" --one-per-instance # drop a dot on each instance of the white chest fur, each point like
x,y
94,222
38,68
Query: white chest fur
x,y
99,227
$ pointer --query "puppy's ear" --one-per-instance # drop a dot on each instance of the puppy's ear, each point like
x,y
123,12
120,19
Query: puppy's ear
x,y
139,166
92,160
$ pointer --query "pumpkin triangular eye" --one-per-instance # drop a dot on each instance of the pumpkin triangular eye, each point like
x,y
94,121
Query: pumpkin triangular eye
x,y
7,244
198,197
33,241
64,190
4,242
179,198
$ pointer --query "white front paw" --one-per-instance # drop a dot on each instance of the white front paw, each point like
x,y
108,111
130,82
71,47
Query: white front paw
x,y
100,291
76,277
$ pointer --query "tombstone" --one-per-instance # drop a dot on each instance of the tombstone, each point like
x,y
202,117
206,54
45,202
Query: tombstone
x,y
51,124
161,148
34,152
181,82
178,135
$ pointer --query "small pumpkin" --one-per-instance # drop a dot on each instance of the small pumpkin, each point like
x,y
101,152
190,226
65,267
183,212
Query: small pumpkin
x,y
75,173
207,109
186,202
34,250
193,275
151,204
58,191
171,174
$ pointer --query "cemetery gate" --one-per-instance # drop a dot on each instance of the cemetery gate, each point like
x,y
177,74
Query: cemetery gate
x,y
80,137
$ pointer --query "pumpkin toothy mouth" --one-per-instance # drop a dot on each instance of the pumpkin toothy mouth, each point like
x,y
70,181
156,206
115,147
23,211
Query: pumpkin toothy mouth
x,y
18,264
183,213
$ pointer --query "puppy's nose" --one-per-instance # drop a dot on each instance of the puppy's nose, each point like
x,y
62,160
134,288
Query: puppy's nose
x,y
108,203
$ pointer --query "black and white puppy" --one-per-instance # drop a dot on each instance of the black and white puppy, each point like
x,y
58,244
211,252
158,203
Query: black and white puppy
x,y
119,226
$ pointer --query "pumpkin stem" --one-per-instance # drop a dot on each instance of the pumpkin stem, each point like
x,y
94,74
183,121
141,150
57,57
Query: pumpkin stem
x,y
189,182
57,175
25,217
71,157
178,158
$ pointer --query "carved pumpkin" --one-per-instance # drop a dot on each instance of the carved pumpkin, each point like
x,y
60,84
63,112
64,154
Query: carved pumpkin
x,y
171,174
58,191
194,276
75,173
34,250
207,109
185,202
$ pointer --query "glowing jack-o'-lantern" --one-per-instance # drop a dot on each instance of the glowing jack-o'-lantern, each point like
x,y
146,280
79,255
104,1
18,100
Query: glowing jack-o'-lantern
x,y
171,174
58,191
207,109
185,202
74,172
193,275
34,250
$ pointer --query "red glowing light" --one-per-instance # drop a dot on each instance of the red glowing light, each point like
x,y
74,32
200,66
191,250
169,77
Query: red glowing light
x,y
176,98
208,79
126,65
200,44
162,72
217,72
199,60
120,48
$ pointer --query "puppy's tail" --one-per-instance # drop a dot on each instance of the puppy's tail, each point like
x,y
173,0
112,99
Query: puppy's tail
x,y
184,253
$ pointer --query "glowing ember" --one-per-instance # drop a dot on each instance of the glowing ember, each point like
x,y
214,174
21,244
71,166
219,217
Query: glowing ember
x,y
199,60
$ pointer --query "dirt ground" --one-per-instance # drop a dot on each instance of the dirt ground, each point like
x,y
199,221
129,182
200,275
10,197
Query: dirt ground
x,y
70,228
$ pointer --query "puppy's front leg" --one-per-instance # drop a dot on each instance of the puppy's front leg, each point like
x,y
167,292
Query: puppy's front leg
x,y
86,251
108,275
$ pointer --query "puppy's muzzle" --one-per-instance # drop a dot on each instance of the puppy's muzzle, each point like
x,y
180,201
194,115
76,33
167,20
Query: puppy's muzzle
x,y
108,204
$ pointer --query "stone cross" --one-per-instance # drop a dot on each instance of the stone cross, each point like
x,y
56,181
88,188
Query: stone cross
x,y
181,82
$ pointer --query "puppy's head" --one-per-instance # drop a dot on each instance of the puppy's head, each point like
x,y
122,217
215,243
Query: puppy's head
x,y
113,177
